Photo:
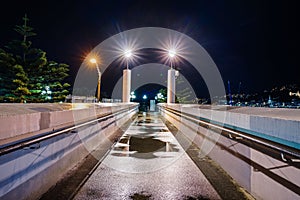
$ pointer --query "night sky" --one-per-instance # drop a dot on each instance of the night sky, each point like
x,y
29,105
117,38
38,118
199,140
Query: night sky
x,y
254,42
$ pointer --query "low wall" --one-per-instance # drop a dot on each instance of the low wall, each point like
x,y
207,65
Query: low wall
x,y
12,126
261,175
28,173
17,120
278,124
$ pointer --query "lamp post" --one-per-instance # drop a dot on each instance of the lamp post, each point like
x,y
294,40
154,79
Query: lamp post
x,y
126,78
171,78
127,54
171,54
94,61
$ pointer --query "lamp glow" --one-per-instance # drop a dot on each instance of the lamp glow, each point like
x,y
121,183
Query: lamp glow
x,y
172,53
128,53
93,60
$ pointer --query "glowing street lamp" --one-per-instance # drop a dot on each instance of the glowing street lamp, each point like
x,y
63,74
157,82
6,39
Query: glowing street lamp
x,y
171,78
94,61
127,54
171,54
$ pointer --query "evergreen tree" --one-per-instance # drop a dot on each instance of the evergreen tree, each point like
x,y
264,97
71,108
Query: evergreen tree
x,y
27,74
20,83
163,98
25,31
13,81
6,76
52,82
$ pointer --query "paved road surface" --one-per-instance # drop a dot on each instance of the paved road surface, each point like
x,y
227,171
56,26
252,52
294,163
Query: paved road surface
x,y
147,163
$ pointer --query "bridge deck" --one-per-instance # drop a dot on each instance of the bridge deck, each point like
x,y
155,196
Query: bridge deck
x,y
147,162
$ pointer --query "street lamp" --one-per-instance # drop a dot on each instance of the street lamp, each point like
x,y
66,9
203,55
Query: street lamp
x,y
94,61
171,78
171,54
127,54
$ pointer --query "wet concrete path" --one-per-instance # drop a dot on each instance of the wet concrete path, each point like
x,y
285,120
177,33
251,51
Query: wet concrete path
x,y
147,163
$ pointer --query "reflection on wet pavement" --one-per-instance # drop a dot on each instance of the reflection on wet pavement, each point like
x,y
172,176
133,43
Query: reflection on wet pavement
x,y
147,163
146,138
141,196
143,147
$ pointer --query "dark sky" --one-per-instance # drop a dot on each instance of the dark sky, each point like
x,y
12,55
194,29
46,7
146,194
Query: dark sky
x,y
252,41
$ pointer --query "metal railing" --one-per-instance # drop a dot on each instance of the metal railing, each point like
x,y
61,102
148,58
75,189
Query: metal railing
x,y
16,145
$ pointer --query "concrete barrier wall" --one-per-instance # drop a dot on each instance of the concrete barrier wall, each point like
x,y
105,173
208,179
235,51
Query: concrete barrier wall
x,y
282,124
280,128
11,126
30,172
261,175
37,117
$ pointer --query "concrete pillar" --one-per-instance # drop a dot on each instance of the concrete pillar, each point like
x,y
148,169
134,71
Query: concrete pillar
x,y
171,86
126,85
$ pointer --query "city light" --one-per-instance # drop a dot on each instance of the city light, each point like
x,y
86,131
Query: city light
x,y
160,96
132,95
295,94
47,92
145,96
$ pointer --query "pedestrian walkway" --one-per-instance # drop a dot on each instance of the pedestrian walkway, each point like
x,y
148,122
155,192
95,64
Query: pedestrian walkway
x,y
147,163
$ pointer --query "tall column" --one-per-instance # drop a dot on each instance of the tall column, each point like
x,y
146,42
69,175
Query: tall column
x,y
171,86
126,85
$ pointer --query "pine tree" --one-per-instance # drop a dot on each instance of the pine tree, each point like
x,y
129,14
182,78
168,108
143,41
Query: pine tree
x,y
26,73
6,76
52,81
20,83
14,80
163,95
25,31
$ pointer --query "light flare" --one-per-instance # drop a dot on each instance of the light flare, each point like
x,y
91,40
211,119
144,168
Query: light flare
x,y
128,53
171,53
93,60
173,50
126,49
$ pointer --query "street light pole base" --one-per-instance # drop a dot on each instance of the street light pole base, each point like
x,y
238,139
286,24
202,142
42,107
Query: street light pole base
x,y
126,85
171,86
